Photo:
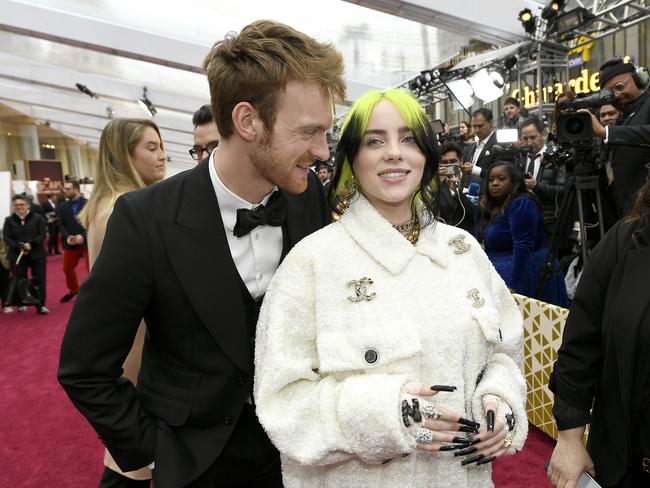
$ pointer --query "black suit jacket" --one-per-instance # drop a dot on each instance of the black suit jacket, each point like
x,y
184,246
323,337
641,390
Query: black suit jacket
x,y
551,184
166,259
596,360
487,157
15,234
69,224
456,209
629,162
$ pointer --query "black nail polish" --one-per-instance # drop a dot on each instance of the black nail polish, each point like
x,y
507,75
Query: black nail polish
x,y
472,460
405,420
467,428
461,440
443,388
451,447
415,411
486,460
490,420
387,461
473,442
471,423
465,452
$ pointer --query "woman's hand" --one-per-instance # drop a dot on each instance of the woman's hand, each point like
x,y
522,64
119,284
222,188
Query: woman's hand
x,y
491,442
570,459
439,428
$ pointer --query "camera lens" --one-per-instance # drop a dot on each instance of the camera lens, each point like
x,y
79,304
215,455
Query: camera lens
x,y
575,126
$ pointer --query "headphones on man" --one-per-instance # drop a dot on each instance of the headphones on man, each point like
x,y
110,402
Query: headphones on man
x,y
640,74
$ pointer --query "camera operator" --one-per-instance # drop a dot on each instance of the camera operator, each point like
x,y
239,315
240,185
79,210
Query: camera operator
x,y
455,207
546,181
632,129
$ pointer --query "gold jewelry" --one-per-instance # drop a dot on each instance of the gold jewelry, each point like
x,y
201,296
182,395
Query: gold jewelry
x,y
409,229
507,442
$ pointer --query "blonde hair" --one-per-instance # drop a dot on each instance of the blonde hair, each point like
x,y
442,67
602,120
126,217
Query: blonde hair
x,y
115,171
255,65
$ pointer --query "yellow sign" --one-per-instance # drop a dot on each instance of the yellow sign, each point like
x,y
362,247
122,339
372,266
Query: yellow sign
x,y
585,83
584,50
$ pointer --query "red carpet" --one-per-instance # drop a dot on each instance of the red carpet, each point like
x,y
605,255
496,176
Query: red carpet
x,y
44,442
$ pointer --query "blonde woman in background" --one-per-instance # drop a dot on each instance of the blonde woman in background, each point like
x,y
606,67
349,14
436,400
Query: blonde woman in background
x,y
131,156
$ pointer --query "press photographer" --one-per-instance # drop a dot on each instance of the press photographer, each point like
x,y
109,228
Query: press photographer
x,y
629,138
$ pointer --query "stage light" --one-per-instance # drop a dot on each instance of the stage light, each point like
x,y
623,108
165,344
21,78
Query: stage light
x,y
572,20
484,87
510,62
146,104
463,95
528,20
497,79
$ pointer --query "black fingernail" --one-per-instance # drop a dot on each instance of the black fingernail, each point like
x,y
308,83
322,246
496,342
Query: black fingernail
x,y
443,388
387,461
467,428
465,452
415,412
451,447
474,441
405,419
461,440
471,423
472,460
486,460
490,420
406,454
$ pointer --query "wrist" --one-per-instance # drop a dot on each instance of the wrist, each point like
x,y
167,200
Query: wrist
x,y
574,435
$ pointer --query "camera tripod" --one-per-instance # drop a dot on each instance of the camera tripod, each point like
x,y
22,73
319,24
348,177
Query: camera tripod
x,y
578,186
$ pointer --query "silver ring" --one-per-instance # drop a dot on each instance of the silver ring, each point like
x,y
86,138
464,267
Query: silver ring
x,y
424,436
431,412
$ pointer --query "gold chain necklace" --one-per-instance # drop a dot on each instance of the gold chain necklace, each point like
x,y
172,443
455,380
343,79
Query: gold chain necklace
x,y
409,229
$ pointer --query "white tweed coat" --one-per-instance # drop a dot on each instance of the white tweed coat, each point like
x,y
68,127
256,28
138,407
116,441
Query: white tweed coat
x,y
329,371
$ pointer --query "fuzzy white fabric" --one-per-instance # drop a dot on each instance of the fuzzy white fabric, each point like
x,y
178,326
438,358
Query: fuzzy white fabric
x,y
336,418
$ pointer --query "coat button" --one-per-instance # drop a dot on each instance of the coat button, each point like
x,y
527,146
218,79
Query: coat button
x,y
371,356
227,420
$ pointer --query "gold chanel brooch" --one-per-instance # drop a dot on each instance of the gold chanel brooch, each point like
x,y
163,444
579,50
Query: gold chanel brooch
x,y
459,244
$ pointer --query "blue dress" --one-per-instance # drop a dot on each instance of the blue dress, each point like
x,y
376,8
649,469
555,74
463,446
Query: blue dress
x,y
515,244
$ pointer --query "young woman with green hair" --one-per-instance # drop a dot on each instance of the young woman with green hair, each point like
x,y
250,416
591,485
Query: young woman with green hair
x,y
388,350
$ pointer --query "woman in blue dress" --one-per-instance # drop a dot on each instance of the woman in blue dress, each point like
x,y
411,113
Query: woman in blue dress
x,y
512,228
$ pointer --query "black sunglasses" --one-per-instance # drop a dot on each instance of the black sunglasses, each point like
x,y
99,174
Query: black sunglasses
x,y
197,151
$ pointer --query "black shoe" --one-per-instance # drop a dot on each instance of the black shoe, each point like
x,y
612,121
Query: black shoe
x,y
68,296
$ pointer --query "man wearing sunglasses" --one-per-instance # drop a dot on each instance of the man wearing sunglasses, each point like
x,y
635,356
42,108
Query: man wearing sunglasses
x,y
629,138
206,134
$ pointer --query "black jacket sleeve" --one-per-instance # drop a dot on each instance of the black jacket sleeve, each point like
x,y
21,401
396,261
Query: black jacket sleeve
x,y
7,235
41,231
579,363
99,335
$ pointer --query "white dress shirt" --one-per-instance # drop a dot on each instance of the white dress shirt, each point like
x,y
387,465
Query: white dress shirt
x,y
476,171
538,162
257,254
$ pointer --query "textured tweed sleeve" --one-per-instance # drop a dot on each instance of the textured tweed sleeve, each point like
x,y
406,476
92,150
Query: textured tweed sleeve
x,y
312,418
503,373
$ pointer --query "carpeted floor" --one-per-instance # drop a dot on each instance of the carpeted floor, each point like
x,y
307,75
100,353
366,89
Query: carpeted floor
x,y
44,441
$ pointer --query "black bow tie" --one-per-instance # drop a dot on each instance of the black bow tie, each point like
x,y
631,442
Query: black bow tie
x,y
273,213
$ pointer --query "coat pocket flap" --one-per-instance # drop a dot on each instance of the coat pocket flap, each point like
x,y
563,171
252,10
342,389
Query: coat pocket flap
x,y
488,318
365,348
172,411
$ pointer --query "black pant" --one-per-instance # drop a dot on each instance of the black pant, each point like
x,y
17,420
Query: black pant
x,y
53,239
19,271
249,459
111,479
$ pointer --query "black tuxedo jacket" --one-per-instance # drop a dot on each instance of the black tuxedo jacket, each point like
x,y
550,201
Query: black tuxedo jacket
x,y
69,224
596,362
166,259
629,161
487,156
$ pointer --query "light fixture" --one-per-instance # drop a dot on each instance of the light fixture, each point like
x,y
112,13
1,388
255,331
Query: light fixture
x,y
463,95
484,87
146,104
497,79
528,20
572,20
510,62
86,90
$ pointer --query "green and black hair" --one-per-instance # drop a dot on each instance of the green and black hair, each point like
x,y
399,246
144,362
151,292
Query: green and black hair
x,y
352,134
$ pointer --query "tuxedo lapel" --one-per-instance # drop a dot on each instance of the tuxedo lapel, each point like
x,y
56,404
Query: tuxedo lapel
x,y
297,224
198,250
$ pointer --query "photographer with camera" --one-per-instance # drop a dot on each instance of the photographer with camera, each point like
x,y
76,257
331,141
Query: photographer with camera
x,y
455,207
629,137
547,181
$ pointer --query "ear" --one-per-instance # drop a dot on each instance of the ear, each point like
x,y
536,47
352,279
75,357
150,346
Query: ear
x,y
246,121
